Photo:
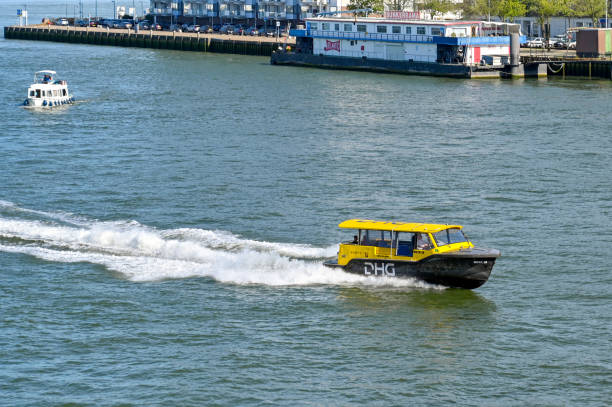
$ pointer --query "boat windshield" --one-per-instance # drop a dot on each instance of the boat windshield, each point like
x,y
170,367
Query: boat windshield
x,y
44,77
449,236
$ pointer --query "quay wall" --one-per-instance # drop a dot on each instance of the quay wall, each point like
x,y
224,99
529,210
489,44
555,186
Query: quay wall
x,y
147,39
595,68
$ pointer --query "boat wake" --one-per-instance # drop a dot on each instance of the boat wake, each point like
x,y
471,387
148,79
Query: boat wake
x,y
142,253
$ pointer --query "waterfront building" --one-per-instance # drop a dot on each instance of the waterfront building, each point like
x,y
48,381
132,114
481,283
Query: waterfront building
x,y
241,11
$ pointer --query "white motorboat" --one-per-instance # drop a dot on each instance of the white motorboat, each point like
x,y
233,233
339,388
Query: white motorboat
x,y
47,91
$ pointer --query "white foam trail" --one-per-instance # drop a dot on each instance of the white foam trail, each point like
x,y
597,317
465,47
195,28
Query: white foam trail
x,y
141,253
228,241
61,216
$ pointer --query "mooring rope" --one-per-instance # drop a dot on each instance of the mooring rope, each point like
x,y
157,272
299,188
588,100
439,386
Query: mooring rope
x,y
562,64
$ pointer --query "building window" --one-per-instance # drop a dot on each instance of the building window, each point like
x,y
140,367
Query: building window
x,y
381,28
361,28
436,31
348,27
408,30
421,30
396,29
325,26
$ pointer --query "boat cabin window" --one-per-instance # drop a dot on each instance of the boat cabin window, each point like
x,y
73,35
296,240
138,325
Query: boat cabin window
x,y
396,29
379,238
449,236
436,31
314,26
325,26
38,93
348,27
337,27
361,28
409,30
63,92
423,242
381,28
420,30
32,93
405,243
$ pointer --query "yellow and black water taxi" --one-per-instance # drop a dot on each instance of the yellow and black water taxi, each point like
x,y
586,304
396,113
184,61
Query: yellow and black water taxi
x,y
436,254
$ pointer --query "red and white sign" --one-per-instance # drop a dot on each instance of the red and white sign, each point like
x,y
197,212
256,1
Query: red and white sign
x,y
403,15
332,46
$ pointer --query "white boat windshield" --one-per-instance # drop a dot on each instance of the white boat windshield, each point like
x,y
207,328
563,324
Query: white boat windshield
x,y
44,77
449,236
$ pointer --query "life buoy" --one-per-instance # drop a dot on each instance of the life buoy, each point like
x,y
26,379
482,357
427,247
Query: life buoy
x,y
44,103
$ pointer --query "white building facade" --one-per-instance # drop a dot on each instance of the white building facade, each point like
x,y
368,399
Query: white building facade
x,y
243,10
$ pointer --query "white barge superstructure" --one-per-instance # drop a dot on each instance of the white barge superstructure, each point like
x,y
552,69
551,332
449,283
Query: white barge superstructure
x,y
402,42
47,91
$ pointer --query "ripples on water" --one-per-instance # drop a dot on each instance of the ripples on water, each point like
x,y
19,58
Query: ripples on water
x,y
161,241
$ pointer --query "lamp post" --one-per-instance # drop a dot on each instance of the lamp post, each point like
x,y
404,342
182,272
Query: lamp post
x,y
114,11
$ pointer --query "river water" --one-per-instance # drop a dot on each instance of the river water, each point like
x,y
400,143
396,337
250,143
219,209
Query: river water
x,y
161,240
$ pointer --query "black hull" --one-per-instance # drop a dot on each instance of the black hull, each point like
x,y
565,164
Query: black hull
x,y
466,269
380,65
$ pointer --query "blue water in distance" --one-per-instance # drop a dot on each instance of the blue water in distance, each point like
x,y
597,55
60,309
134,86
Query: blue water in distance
x,y
161,241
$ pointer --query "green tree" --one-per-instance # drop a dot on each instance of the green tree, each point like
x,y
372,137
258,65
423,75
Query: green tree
x,y
399,5
509,9
543,10
568,9
375,5
437,6
591,8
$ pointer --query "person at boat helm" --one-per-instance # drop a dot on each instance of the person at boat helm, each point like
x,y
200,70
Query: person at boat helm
x,y
422,242
355,240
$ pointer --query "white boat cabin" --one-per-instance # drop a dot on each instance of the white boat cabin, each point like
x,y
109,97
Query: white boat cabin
x,y
47,91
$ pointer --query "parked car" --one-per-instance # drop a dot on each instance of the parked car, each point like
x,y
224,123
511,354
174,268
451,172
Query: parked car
x,y
144,25
537,42
571,45
175,27
125,24
93,23
216,27
156,27
193,28
252,31
226,29
207,29
239,29
63,21
80,23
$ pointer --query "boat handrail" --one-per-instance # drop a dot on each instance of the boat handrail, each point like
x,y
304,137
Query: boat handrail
x,y
372,36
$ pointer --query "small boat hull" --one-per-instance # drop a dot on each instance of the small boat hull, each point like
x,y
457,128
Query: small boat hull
x,y
48,103
463,269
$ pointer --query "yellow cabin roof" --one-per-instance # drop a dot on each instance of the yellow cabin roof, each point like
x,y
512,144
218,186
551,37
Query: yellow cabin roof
x,y
395,226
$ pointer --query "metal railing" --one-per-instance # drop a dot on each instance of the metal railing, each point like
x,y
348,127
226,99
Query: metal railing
x,y
364,36
161,11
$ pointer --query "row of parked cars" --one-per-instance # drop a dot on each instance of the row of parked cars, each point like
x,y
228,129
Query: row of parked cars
x,y
558,41
238,29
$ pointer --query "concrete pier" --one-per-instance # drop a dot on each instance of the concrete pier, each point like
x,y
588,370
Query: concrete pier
x,y
570,65
233,44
